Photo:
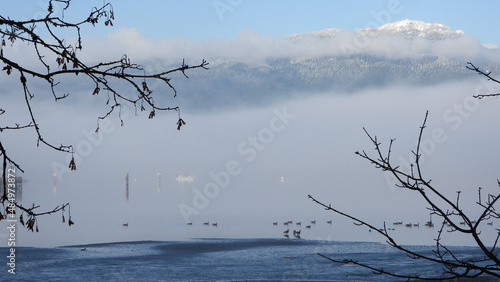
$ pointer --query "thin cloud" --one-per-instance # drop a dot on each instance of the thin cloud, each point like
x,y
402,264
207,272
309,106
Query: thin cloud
x,y
250,46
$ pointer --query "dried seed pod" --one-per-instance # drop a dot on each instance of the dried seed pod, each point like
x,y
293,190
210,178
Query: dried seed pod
x,y
72,164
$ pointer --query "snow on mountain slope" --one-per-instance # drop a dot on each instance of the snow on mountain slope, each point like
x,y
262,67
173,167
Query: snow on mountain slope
x,y
334,60
410,29
325,33
407,29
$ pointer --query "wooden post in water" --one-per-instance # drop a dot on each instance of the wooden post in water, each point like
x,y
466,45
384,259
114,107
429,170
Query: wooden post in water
x,y
126,186
159,182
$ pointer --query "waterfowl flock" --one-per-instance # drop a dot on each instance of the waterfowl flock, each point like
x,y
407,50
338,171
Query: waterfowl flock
x,y
430,224
214,224
296,233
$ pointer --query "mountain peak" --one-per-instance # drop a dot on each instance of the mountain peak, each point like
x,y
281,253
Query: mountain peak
x,y
413,25
412,28
407,29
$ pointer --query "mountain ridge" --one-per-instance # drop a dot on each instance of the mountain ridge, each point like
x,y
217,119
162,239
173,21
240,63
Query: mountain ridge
x,y
407,29
255,70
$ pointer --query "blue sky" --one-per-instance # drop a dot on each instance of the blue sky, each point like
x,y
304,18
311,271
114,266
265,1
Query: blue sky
x,y
207,19
200,20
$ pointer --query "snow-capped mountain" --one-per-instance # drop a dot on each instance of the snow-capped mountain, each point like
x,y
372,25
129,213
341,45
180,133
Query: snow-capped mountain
x,y
404,52
410,29
407,29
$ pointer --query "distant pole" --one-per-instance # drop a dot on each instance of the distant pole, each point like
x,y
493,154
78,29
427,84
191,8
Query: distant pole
x,y
159,182
54,189
126,186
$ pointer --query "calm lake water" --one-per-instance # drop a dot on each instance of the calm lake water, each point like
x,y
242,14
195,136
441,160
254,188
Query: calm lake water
x,y
216,260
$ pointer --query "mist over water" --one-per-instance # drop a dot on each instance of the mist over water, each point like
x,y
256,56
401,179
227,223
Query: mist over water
x,y
256,165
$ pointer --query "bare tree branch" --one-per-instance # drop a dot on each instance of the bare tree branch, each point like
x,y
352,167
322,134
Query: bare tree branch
x,y
453,217
472,67
56,58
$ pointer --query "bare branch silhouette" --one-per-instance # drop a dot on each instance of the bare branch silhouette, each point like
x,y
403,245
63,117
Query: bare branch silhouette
x,y
453,218
487,74
56,57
